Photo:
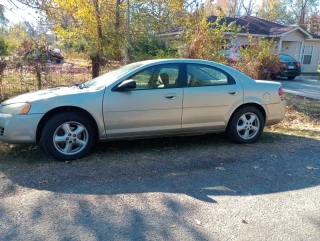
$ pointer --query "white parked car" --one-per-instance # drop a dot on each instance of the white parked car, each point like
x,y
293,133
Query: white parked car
x,y
144,99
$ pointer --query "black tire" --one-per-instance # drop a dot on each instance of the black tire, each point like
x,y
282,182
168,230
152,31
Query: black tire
x,y
272,77
54,126
232,129
291,77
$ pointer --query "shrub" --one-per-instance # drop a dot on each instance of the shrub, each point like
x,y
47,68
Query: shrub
x,y
206,40
259,59
3,47
150,47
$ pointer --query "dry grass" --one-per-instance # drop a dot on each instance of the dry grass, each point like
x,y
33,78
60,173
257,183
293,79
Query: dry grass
x,y
302,117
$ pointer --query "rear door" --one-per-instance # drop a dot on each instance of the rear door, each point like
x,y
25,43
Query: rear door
x,y
208,95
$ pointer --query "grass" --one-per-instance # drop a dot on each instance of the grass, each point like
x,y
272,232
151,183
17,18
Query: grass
x,y
302,117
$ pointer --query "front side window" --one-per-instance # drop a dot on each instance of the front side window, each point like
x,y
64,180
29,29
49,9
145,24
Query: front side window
x,y
202,75
157,77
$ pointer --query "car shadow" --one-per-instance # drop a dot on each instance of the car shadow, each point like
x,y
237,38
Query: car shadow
x,y
199,166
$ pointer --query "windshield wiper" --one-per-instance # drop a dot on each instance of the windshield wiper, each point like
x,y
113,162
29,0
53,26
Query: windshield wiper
x,y
79,86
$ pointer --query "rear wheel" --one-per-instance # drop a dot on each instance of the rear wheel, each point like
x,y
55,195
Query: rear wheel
x,y
246,125
291,77
68,136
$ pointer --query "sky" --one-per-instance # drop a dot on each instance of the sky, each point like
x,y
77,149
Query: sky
x,y
22,13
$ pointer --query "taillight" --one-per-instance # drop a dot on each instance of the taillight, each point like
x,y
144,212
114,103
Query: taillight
x,y
280,92
283,65
298,65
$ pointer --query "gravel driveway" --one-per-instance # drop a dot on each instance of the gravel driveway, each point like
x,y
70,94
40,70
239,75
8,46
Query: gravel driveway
x,y
183,188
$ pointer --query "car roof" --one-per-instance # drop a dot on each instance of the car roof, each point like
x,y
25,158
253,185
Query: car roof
x,y
182,60
226,68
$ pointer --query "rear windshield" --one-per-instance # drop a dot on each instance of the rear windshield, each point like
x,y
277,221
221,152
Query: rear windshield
x,y
287,58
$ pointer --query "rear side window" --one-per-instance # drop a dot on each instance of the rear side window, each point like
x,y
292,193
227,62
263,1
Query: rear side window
x,y
287,58
203,75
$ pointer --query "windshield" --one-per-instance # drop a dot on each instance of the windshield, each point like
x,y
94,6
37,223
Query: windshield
x,y
110,77
286,58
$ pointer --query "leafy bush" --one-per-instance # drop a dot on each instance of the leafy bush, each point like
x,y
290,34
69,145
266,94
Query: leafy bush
x,y
259,60
150,47
3,47
206,40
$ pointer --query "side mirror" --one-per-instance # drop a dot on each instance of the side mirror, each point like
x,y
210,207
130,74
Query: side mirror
x,y
129,84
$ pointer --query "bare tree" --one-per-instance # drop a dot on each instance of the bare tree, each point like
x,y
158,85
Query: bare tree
x,y
248,7
3,19
301,9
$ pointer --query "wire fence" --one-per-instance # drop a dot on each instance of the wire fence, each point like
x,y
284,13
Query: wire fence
x,y
15,79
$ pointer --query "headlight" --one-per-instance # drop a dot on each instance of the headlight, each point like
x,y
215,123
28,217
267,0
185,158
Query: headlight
x,y
15,109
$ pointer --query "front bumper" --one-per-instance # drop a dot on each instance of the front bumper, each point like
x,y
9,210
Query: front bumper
x,y
19,128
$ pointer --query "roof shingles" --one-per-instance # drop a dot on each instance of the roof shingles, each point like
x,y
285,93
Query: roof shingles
x,y
252,25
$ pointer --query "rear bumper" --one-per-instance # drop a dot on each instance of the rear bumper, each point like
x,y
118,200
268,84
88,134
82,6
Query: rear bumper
x,y
290,72
19,128
276,113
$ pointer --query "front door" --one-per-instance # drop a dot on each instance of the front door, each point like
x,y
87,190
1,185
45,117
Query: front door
x,y
153,108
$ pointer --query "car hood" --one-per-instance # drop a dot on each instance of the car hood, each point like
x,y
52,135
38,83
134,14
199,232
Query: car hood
x,y
44,94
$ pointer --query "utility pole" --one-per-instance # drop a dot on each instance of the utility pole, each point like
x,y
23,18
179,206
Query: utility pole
x,y
128,20
126,53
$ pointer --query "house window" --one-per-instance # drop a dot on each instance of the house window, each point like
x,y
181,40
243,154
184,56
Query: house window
x,y
307,54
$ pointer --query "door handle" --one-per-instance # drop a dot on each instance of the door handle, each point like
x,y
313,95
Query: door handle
x,y
233,92
170,96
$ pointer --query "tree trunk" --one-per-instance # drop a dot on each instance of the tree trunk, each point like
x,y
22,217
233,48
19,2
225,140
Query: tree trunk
x,y
37,70
96,58
117,22
95,62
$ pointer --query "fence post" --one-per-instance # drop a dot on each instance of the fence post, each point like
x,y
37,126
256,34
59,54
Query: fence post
x,y
3,65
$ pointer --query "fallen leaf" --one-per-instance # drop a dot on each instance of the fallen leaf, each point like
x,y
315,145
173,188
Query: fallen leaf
x,y
244,221
290,150
273,155
43,181
255,167
173,226
198,222
289,175
220,168
312,168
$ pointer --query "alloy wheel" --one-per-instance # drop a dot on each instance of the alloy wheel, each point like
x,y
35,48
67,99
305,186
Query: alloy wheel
x,y
70,138
248,126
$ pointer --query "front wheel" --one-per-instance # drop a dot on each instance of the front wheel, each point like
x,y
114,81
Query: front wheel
x,y
68,136
291,77
246,125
